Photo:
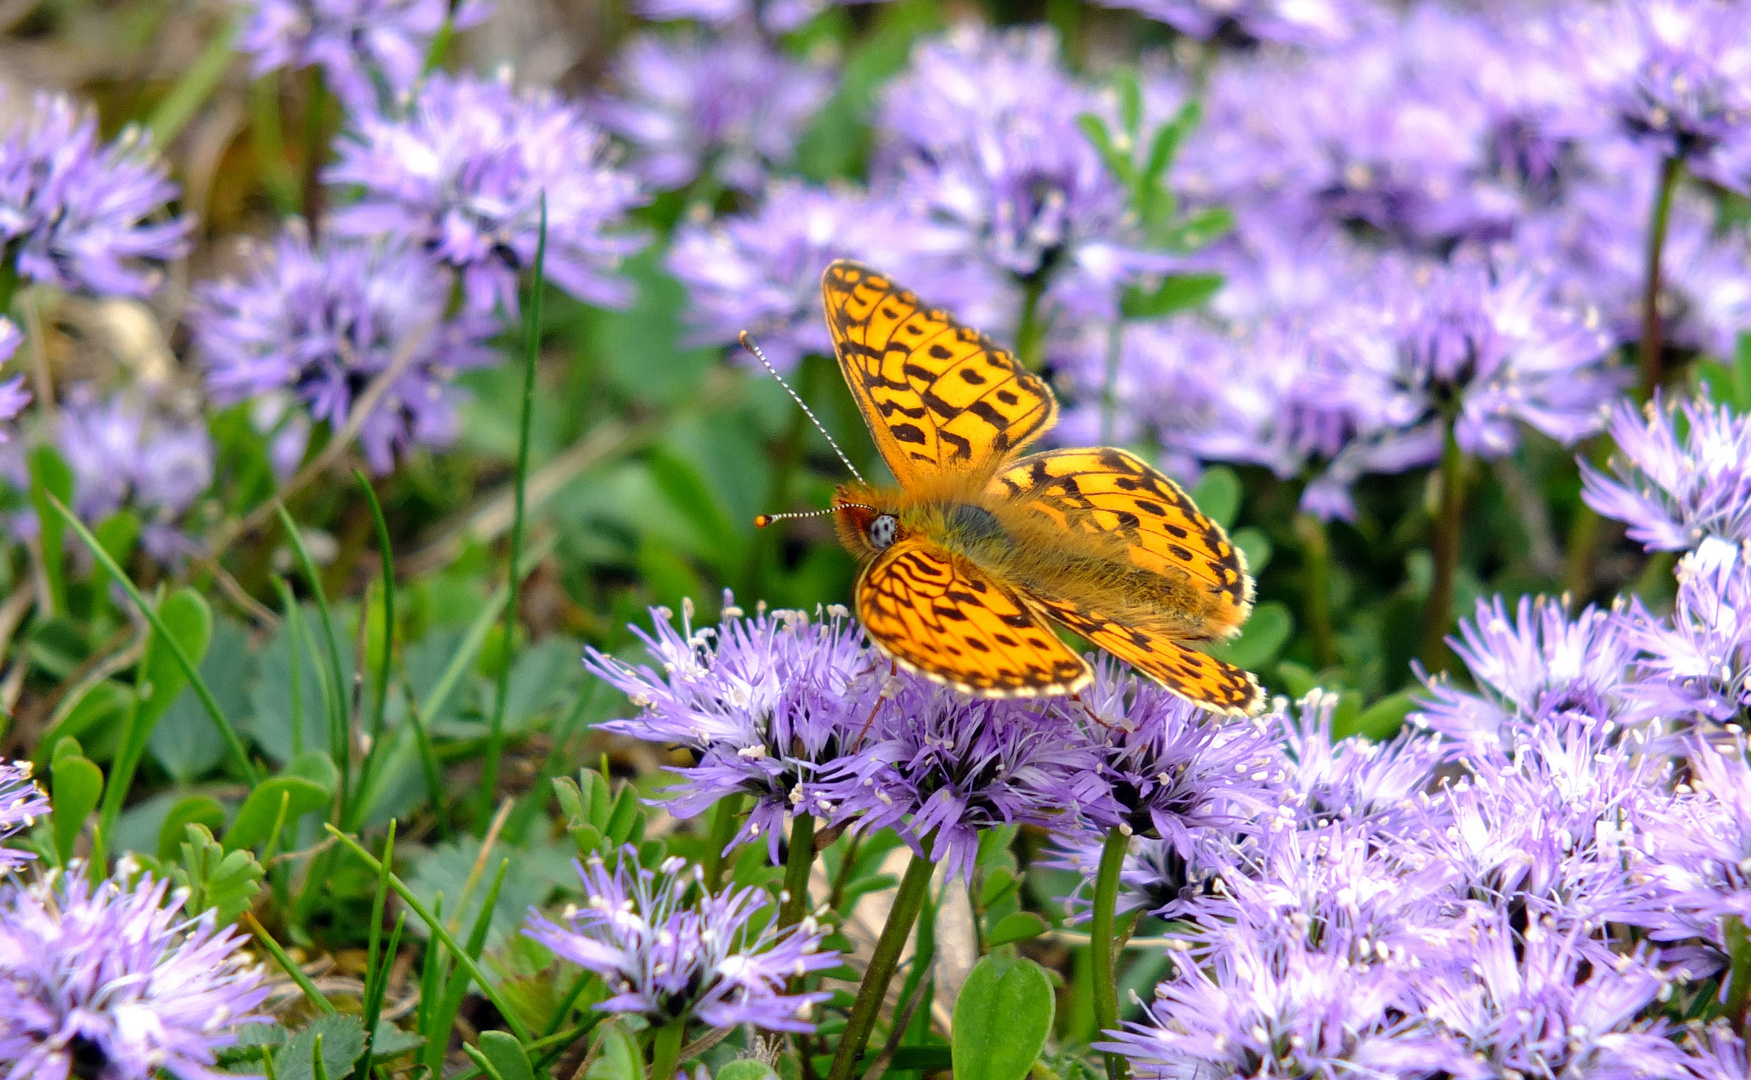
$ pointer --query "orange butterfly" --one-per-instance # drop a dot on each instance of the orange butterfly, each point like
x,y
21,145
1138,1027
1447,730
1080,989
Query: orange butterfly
x,y
967,562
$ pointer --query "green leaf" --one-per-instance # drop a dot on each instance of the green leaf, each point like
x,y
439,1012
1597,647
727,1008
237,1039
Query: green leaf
x,y
506,1054
77,785
1177,292
184,740
1001,1019
390,1041
746,1069
118,534
1256,546
203,810
1382,719
1218,495
617,1055
1260,639
215,879
49,475
343,1040
1017,926
255,820
1298,678
95,718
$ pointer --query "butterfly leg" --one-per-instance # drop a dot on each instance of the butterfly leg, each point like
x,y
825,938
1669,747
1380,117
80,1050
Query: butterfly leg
x,y
890,687
1092,715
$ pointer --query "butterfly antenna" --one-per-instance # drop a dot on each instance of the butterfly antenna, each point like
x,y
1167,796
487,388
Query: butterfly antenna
x,y
763,520
748,343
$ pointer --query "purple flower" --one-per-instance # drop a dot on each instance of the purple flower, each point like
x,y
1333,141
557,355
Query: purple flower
x,y
324,320
1716,1053
1701,843
463,176
718,961
1535,667
941,768
1537,1003
1354,779
371,52
85,216
21,803
1674,494
1674,73
13,396
1289,22
761,272
774,16
125,452
730,107
770,706
1698,662
112,982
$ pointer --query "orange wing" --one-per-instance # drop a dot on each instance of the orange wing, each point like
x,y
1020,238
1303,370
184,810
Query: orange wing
x,y
938,396
1202,680
1107,491
939,615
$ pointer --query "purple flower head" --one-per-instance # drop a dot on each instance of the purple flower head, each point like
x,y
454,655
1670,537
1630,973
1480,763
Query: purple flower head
x,y
1493,342
1534,667
85,216
1698,663
1538,1003
731,107
940,768
1156,877
773,16
463,176
371,52
1175,770
324,320
769,706
1332,781
1245,22
1716,1053
761,272
1675,74
1675,494
718,961
981,135
109,981
13,396
1701,843
21,803
1265,1008
126,451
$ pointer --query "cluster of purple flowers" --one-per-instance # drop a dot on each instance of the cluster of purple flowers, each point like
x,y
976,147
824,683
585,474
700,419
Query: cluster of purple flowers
x,y
113,981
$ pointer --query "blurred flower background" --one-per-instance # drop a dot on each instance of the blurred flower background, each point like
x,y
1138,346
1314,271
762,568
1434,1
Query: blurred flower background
x,y
394,683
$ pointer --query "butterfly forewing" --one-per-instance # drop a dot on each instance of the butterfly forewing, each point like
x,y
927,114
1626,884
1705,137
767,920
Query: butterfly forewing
x,y
1111,492
939,615
938,396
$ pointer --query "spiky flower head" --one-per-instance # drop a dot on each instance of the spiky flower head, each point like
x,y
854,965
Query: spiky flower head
x,y
111,981
1676,491
323,320
21,803
84,215
719,961
464,173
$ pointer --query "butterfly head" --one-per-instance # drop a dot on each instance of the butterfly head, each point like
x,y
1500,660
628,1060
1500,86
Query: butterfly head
x,y
864,527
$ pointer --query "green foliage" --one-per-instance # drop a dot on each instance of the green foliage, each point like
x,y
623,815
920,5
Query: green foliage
x,y
1001,1019
215,878
341,1039
616,1055
77,785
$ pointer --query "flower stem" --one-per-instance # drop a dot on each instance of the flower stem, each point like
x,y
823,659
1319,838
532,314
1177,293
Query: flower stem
x,y
1649,352
1109,392
666,1050
908,900
1316,587
1101,942
723,830
798,861
1738,973
1030,332
1448,525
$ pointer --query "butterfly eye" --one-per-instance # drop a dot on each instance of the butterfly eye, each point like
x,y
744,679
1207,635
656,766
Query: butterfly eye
x,y
883,530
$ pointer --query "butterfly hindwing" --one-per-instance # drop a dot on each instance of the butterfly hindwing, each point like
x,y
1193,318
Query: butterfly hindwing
x,y
1111,492
938,396
939,615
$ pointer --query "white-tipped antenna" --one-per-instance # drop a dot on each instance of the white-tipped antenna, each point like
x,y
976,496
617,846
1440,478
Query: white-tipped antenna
x,y
748,343
763,520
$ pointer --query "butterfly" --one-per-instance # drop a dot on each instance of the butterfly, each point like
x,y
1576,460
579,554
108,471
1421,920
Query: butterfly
x,y
968,561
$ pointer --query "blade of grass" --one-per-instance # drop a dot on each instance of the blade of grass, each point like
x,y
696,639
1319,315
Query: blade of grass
x,y
227,731
459,979
439,931
194,88
337,706
291,969
495,740
382,700
294,624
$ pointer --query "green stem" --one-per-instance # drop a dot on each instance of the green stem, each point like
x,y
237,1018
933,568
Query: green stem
x,y
315,147
908,900
269,142
197,84
798,861
1316,587
1649,351
1109,391
1738,973
666,1049
723,830
1030,333
1102,942
1656,576
9,279
495,740
1448,525
378,706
